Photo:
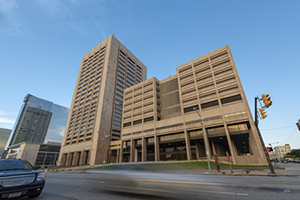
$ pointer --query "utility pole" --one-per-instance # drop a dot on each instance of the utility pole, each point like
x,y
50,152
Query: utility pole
x,y
206,142
106,138
261,140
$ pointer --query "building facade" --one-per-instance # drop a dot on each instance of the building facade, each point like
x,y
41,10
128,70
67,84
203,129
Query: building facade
x,y
39,121
44,155
160,122
4,136
281,151
95,117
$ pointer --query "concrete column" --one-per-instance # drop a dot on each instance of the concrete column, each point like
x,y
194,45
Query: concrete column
x,y
156,148
68,159
81,159
8,153
135,154
121,153
198,150
232,152
44,159
132,150
72,158
118,156
75,158
64,160
188,145
144,150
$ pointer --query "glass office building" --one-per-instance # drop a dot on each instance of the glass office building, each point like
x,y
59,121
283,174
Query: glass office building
x,y
39,121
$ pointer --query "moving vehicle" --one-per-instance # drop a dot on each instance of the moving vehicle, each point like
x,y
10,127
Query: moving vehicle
x,y
19,178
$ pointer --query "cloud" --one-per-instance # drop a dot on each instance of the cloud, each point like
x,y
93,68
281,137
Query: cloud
x,y
62,14
8,121
9,18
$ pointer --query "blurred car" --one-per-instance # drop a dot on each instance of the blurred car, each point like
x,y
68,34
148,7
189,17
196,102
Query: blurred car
x,y
19,178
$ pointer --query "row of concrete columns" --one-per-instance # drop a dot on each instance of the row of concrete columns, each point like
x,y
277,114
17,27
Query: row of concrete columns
x,y
211,147
75,158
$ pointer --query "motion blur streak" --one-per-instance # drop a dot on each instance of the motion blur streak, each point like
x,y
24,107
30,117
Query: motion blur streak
x,y
186,182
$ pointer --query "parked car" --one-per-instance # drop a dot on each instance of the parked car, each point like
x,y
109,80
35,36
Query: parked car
x,y
19,178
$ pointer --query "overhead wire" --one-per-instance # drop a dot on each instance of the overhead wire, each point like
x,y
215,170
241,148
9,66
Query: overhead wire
x,y
277,128
290,136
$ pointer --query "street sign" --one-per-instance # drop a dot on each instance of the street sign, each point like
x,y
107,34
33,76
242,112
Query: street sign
x,y
228,157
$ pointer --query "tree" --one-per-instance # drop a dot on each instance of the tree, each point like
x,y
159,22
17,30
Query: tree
x,y
293,153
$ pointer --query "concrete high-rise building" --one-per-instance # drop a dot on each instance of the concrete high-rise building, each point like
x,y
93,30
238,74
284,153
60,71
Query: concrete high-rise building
x,y
95,116
4,136
281,151
160,122
39,121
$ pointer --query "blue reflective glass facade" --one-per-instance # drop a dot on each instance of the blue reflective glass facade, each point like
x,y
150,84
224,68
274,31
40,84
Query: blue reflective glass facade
x,y
39,121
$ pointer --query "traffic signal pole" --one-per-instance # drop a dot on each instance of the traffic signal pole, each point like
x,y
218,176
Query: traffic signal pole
x,y
261,140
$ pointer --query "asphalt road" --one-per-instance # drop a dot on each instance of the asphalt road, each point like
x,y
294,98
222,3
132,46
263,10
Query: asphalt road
x,y
145,185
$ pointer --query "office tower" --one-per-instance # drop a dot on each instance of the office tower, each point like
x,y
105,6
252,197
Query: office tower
x,y
39,121
95,116
281,151
161,123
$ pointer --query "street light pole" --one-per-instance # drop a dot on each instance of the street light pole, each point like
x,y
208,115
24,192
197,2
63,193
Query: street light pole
x,y
273,150
106,138
206,143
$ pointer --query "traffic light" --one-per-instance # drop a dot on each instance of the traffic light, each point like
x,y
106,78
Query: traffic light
x,y
263,113
267,100
269,149
298,125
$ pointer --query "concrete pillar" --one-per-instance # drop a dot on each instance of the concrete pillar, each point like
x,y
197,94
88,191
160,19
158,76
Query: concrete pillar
x,y
68,159
75,158
156,148
81,159
132,150
135,154
63,160
198,150
44,159
144,149
121,153
188,145
8,152
118,156
232,152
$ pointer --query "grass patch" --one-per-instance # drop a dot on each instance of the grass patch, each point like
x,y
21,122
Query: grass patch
x,y
179,165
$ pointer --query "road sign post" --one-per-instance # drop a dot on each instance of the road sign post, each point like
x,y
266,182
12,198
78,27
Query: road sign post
x,y
228,157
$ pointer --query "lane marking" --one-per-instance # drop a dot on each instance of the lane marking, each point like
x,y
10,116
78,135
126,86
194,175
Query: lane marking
x,y
269,184
178,192
169,181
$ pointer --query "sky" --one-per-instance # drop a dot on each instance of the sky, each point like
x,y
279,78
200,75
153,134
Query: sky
x,y
42,43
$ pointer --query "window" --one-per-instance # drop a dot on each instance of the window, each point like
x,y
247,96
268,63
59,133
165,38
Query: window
x,y
118,106
115,126
231,99
120,91
127,124
191,108
210,104
117,118
119,96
